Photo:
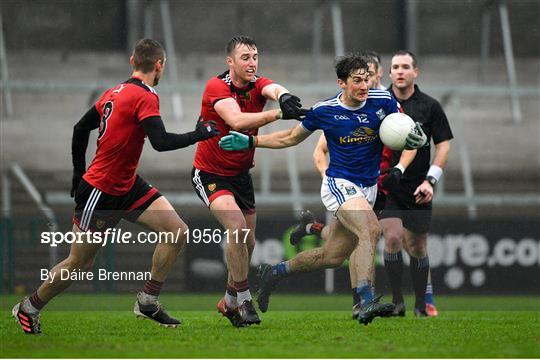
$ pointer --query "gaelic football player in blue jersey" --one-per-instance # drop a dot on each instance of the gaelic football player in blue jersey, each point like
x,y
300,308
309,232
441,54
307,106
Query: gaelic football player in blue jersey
x,y
350,122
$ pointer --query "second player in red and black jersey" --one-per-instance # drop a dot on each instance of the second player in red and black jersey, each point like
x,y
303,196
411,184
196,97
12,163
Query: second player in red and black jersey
x,y
209,157
235,100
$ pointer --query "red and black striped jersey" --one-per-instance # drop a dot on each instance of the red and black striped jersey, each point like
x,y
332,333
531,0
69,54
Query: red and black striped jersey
x,y
209,157
121,135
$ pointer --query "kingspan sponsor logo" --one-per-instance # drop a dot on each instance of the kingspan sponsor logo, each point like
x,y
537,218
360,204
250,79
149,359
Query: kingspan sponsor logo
x,y
361,135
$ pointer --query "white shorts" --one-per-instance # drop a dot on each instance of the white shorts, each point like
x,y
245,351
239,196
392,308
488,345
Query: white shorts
x,y
335,191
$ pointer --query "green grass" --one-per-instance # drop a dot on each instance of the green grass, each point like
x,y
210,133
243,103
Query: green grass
x,y
466,327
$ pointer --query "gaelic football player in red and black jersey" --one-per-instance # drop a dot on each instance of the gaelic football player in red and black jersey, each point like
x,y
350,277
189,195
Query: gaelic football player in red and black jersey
x,y
110,189
221,179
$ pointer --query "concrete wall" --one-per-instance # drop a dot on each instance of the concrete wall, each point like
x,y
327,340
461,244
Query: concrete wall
x,y
444,27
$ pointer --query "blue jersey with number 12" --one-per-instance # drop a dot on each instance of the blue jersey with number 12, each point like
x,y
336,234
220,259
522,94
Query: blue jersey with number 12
x,y
352,135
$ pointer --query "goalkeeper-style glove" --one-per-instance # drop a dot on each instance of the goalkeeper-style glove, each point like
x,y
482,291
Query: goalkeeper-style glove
x,y
416,139
237,141
291,108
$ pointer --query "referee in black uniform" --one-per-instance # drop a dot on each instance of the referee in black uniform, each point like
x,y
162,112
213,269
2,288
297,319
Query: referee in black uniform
x,y
406,217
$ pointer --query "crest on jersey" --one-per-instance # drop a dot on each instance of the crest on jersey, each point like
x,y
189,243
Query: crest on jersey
x,y
380,114
350,190
212,187
100,223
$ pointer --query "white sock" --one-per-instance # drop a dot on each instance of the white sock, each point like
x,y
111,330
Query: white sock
x,y
146,299
27,307
230,301
243,296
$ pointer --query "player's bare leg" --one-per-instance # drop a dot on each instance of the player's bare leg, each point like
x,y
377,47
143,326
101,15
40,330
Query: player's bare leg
x,y
419,267
357,271
355,222
81,258
228,305
338,245
237,254
357,216
160,216
393,233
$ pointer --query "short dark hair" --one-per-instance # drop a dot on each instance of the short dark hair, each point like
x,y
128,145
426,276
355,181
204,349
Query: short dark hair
x,y
346,65
375,58
239,40
146,53
407,52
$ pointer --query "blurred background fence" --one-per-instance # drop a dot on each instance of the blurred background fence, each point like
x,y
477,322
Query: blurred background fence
x,y
481,59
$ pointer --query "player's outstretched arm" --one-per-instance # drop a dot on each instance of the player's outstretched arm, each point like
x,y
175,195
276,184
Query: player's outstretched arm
x,y
277,140
233,116
162,140
320,158
79,143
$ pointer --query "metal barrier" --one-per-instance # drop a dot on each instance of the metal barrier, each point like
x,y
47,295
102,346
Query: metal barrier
x,y
41,203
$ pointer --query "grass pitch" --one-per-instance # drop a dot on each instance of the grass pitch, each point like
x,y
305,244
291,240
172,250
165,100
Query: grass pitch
x,y
295,326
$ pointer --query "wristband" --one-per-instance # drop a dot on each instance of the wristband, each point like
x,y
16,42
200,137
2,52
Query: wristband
x,y
435,172
282,93
279,114
253,141
400,167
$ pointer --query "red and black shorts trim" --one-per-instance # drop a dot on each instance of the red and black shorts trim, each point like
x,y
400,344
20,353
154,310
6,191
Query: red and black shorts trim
x,y
96,210
210,186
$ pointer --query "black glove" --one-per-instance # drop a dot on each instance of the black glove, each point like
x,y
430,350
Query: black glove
x,y
205,130
290,106
391,181
77,177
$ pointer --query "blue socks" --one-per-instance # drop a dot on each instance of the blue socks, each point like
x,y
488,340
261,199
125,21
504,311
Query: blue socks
x,y
429,294
364,290
281,270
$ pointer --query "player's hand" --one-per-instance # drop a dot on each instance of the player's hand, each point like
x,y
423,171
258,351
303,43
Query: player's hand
x,y
416,139
391,181
291,108
423,193
236,141
75,181
205,130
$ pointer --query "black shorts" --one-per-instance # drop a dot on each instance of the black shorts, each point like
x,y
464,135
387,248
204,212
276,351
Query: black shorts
x,y
415,218
380,202
98,211
210,186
